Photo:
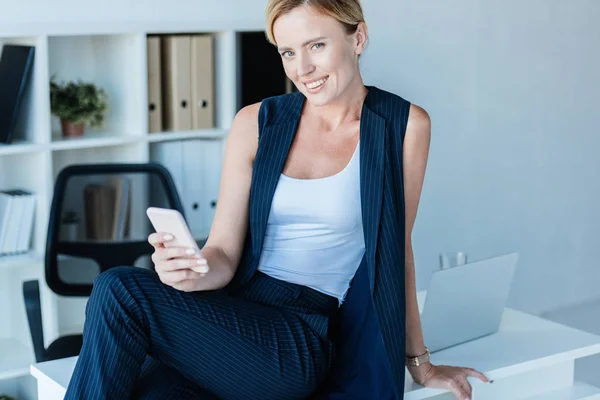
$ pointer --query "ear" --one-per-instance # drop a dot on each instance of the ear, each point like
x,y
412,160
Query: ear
x,y
361,35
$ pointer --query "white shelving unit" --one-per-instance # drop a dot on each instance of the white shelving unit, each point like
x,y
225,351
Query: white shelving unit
x,y
114,58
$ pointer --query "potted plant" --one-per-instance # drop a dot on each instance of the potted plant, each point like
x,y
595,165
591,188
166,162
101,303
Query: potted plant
x,y
77,103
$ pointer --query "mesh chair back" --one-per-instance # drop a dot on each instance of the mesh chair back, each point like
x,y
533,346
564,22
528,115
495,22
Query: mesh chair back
x,y
98,221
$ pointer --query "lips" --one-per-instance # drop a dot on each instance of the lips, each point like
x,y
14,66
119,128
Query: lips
x,y
315,84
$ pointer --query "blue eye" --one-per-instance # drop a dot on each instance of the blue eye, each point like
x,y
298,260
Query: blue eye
x,y
285,52
318,44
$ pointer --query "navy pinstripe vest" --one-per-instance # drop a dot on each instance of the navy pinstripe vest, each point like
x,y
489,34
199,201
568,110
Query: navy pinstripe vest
x,y
382,128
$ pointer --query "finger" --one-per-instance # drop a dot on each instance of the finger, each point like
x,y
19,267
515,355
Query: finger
x,y
460,388
171,253
174,278
188,285
466,388
457,392
182,252
476,374
157,239
154,240
201,269
186,263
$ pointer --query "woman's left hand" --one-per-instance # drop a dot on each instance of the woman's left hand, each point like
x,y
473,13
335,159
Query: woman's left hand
x,y
446,377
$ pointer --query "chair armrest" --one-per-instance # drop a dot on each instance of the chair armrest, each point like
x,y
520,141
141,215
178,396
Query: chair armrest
x,y
33,307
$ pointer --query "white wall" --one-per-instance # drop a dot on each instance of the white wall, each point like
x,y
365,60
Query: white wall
x,y
513,91
133,11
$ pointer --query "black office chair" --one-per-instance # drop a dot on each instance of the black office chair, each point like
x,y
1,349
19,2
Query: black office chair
x,y
97,219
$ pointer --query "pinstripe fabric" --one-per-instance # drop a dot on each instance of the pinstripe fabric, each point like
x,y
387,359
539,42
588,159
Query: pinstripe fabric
x,y
266,339
382,128
249,351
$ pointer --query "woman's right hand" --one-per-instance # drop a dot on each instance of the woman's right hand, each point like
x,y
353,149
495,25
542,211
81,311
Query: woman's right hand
x,y
179,267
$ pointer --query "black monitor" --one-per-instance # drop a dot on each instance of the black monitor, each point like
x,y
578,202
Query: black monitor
x,y
16,63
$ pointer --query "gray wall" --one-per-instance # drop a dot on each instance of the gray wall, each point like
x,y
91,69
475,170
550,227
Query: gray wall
x,y
513,90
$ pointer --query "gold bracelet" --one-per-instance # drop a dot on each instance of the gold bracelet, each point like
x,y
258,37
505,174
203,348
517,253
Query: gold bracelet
x,y
418,360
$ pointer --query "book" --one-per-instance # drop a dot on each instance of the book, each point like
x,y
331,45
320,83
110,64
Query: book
x,y
121,208
11,234
107,209
99,200
5,212
26,223
16,63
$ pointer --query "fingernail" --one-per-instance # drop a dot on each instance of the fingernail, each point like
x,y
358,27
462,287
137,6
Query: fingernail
x,y
201,261
190,251
167,237
203,269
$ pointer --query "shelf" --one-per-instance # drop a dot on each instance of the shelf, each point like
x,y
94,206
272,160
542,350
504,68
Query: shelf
x,y
199,134
20,147
95,28
102,139
113,57
20,260
92,139
15,359
578,391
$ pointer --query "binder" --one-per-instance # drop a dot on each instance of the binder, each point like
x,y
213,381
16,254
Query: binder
x,y
192,164
16,64
154,84
212,160
194,189
289,85
202,78
176,66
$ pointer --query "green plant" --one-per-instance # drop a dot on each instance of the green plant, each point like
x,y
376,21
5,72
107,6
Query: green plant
x,y
6,398
78,102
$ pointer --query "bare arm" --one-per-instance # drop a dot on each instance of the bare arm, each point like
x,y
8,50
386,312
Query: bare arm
x,y
224,247
415,153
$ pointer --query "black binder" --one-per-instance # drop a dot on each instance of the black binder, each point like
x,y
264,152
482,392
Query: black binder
x,y
16,63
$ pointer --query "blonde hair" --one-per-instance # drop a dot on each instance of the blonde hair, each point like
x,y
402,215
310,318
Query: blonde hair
x,y
348,12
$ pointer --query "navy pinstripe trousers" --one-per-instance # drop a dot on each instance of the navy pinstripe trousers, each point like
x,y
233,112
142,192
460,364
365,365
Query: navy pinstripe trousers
x,y
146,340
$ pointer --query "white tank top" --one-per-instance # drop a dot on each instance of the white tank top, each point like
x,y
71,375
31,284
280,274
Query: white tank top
x,y
314,234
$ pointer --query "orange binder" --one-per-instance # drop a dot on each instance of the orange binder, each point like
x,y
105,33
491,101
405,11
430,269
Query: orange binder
x,y
154,84
202,78
176,79
289,85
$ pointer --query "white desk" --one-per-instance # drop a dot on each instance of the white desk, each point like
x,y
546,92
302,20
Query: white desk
x,y
528,358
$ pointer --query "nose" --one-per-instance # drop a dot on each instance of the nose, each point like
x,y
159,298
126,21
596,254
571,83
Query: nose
x,y
305,65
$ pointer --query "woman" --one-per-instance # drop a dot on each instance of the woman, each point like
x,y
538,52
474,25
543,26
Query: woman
x,y
309,212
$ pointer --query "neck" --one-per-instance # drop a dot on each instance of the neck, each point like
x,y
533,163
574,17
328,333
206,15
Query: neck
x,y
345,109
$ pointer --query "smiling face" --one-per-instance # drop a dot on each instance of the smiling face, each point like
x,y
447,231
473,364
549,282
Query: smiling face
x,y
317,53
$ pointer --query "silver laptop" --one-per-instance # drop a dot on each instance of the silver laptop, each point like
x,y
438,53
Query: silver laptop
x,y
466,302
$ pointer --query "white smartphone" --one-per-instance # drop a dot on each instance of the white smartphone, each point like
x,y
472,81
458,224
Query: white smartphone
x,y
171,221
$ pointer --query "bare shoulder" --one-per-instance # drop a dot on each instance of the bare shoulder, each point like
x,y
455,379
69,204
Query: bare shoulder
x,y
249,113
244,129
418,136
419,122
247,118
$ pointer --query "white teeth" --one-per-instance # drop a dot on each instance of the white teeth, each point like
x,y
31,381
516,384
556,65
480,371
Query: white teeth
x,y
315,84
